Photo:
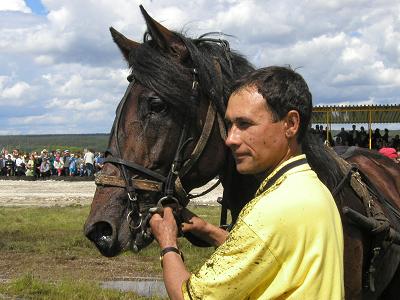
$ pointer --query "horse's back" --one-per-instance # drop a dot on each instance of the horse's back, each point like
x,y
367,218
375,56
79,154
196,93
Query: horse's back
x,y
382,172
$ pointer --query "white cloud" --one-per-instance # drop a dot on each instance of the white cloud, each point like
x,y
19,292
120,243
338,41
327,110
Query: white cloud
x,y
44,60
15,91
14,5
60,18
45,119
347,50
73,105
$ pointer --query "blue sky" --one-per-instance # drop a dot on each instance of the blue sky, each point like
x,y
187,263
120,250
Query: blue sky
x,y
36,6
60,72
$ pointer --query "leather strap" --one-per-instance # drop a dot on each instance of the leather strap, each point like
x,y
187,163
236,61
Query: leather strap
x,y
201,143
136,167
170,249
282,171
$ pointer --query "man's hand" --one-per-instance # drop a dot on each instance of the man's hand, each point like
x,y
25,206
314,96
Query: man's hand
x,y
202,229
164,228
192,223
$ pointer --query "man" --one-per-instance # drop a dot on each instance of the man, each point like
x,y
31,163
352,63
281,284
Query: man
x,y
377,139
89,162
396,141
287,242
363,138
354,136
344,137
67,161
9,165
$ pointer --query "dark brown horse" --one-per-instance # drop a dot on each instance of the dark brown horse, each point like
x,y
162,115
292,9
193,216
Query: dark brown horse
x,y
168,138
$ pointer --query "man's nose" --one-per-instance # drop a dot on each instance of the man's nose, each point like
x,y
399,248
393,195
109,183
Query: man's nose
x,y
233,137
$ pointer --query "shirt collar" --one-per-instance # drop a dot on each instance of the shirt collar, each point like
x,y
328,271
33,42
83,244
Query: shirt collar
x,y
290,171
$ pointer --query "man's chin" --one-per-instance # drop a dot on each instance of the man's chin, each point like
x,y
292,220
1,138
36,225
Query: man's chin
x,y
244,170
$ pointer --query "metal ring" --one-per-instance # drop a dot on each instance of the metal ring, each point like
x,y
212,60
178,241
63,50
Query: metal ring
x,y
159,203
129,223
133,199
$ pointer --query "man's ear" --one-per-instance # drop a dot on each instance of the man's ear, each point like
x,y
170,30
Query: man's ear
x,y
292,123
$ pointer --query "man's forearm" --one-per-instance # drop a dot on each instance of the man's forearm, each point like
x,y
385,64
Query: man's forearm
x,y
214,234
174,273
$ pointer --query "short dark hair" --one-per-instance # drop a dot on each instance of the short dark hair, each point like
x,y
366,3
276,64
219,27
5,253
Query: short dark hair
x,y
283,90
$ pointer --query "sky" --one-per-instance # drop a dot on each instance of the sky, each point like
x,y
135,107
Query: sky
x,y
61,73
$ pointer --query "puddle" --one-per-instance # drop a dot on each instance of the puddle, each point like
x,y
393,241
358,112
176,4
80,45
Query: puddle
x,y
146,287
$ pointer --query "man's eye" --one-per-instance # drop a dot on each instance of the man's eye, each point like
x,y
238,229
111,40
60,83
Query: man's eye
x,y
156,105
243,124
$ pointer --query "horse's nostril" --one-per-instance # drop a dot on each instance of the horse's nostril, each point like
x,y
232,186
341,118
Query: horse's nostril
x,y
103,236
101,233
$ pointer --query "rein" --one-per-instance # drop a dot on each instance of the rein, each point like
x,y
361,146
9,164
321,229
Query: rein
x,y
169,185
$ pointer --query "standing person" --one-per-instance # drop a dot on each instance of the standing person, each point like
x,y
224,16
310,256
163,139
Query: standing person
x,y
19,164
80,165
99,162
288,241
396,141
58,164
363,138
89,162
30,165
52,158
376,139
44,167
385,137
66,160
3,171
72,165
354,137
344,137
9,165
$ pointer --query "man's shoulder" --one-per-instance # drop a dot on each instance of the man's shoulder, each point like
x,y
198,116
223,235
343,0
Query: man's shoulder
x,y
296,190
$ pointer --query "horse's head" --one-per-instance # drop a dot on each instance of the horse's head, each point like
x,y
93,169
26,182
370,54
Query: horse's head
x,y
166,136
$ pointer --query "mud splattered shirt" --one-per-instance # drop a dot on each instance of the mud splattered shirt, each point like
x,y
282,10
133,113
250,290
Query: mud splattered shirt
x,y
286,244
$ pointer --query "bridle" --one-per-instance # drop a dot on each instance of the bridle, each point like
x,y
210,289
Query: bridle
x,y
169,186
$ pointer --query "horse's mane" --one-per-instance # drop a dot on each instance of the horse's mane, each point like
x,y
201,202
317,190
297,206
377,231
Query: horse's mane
x,y
322,161
172,81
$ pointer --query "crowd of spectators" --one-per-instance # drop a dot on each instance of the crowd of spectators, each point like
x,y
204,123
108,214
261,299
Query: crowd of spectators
x,y
50,163
386,145
359,138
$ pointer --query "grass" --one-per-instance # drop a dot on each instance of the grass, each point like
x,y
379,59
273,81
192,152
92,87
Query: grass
x,y
44,255
30,287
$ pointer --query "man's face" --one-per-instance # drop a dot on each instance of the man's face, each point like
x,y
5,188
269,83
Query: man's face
x,y
257,142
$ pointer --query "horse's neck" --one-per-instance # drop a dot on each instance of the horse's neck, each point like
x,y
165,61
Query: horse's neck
x,y
238,189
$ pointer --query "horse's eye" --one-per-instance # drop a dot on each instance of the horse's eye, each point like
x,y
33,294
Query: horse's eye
x,y
156,105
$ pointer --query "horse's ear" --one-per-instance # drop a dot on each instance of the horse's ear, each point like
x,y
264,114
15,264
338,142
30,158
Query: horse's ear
x,y
124,44
164,38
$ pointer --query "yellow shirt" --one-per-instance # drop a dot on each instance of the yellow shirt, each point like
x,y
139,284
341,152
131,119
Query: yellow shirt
x,y
287,244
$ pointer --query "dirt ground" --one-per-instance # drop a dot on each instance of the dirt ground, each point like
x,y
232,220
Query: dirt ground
x,y
65,193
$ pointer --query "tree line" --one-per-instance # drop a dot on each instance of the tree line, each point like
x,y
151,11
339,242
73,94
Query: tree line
x,y
73,142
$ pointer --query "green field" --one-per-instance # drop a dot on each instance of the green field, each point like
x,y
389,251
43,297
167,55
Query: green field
x,y
44,255
72,142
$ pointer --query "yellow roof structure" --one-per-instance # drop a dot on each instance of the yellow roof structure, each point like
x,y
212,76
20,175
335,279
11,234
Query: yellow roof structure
x,y
356,114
